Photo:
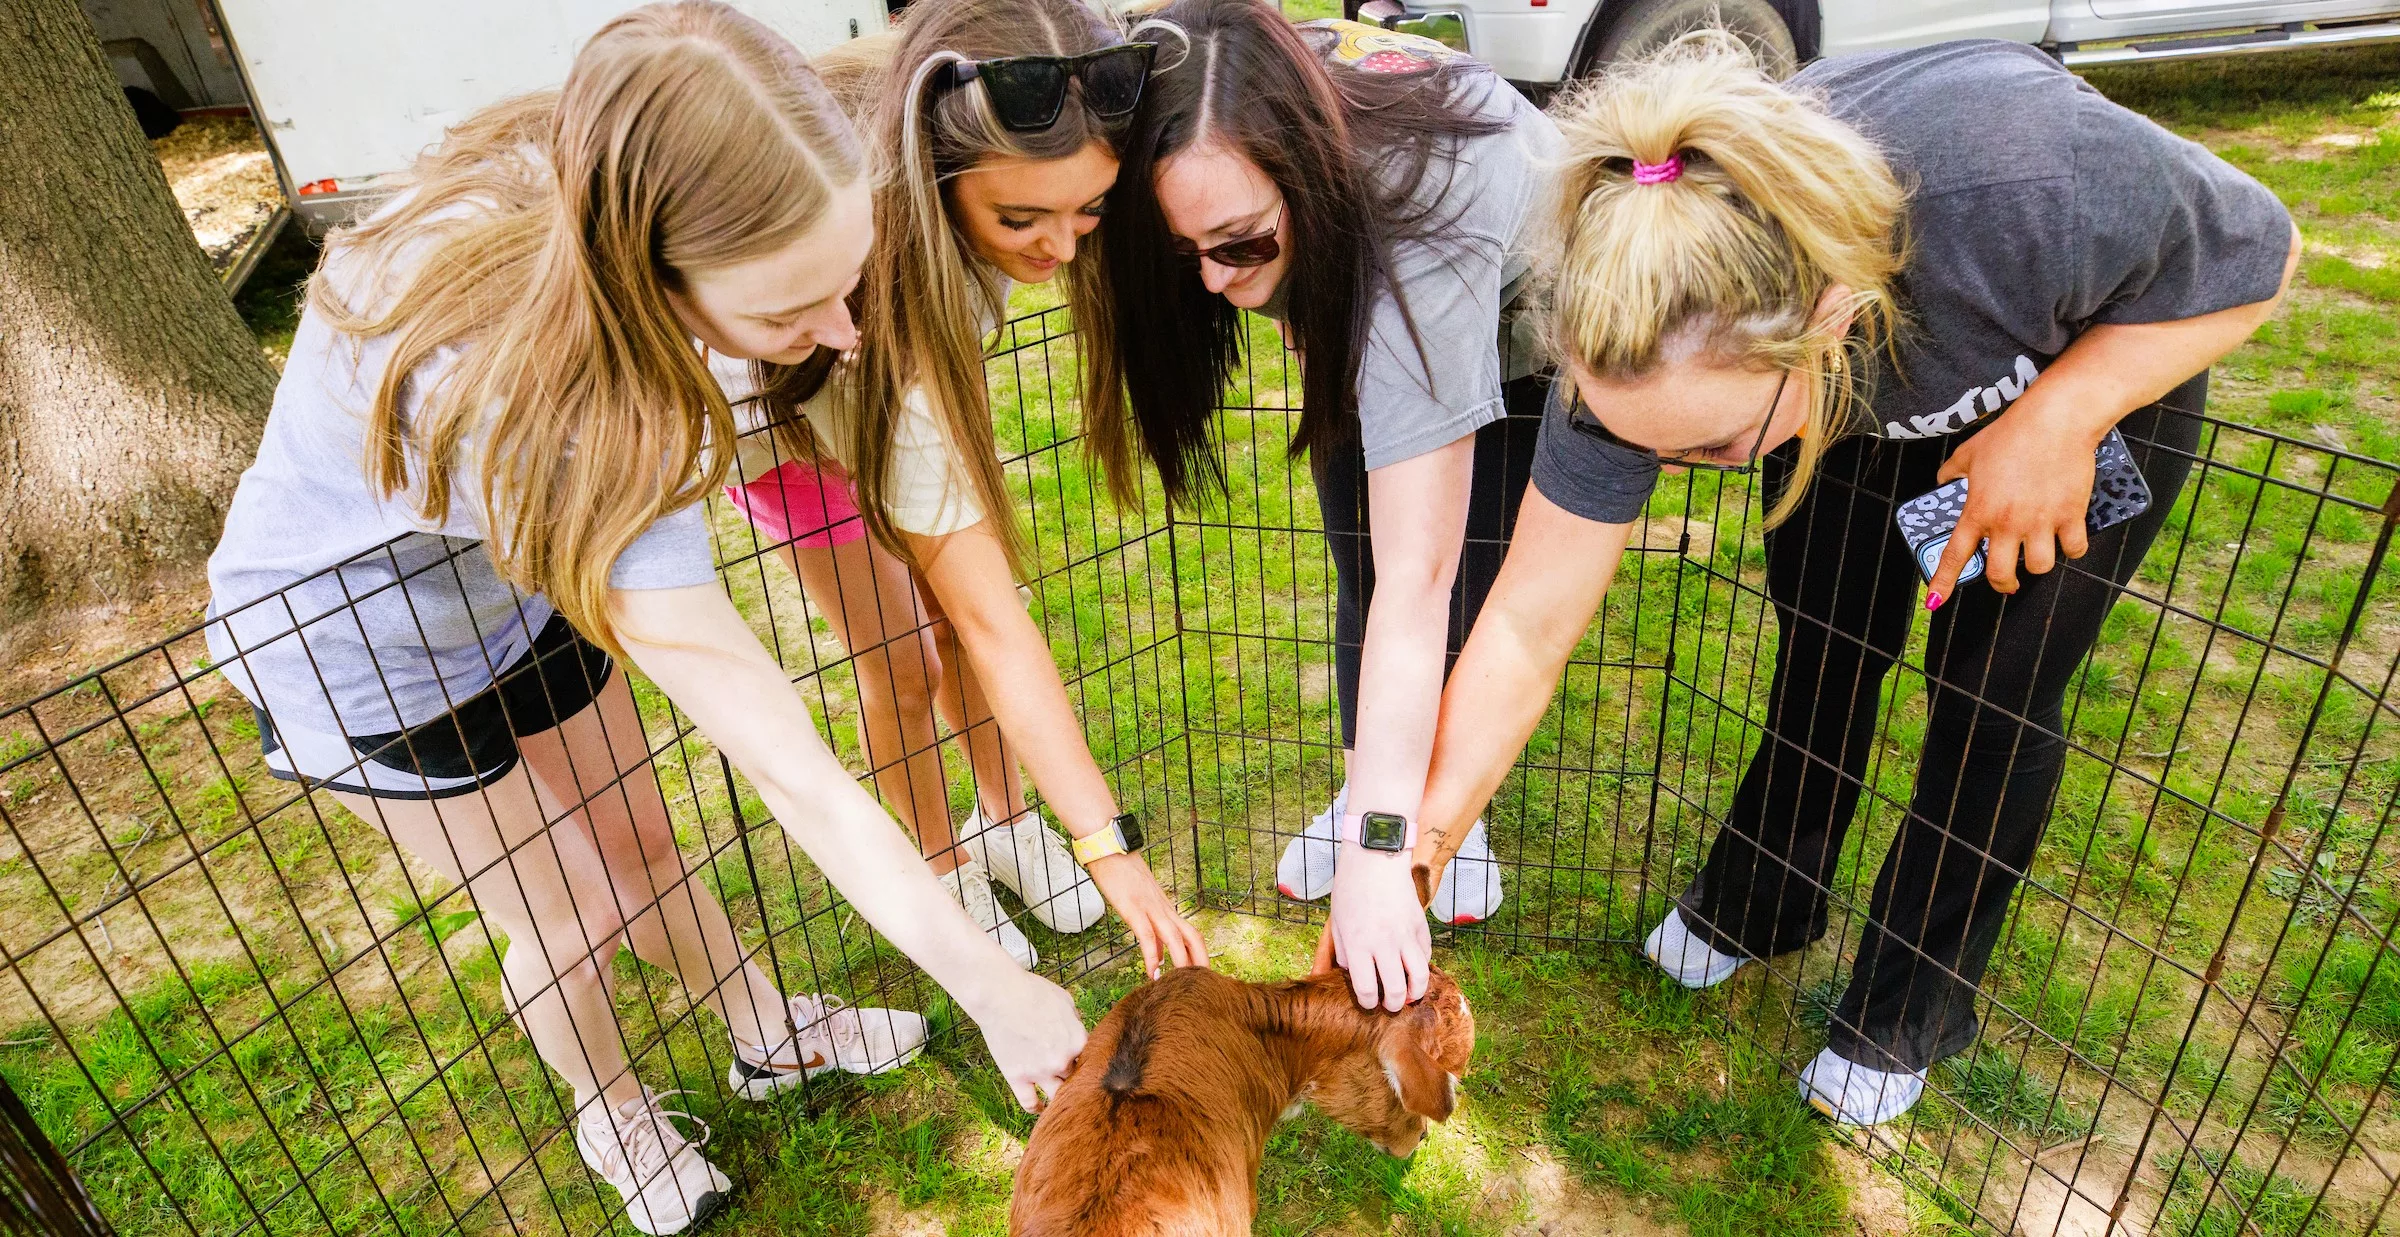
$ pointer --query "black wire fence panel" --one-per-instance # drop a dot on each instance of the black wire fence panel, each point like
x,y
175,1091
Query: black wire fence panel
x,y
236,1007
2190,1019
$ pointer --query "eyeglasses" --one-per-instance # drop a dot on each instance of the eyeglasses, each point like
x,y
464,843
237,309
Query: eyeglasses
x,y
1028,92
1256,249
1581,417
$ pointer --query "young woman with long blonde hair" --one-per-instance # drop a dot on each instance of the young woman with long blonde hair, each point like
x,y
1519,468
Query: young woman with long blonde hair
x,y
1000,118
1898,269
480,486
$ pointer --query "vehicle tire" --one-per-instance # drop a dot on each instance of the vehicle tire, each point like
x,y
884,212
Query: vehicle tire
x,y
1644,26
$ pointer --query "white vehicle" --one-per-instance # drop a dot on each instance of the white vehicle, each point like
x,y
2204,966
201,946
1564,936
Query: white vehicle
x,y
1541,44
346,93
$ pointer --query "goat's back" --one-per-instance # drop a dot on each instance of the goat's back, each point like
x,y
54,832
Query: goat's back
x,y
1155,1133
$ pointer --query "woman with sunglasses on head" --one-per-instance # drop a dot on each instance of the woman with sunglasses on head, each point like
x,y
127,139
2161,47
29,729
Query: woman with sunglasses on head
x,y
1367,190
1902,268
906,662
999,118
480,486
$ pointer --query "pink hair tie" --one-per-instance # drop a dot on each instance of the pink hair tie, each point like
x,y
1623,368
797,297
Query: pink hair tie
x,y
1658,173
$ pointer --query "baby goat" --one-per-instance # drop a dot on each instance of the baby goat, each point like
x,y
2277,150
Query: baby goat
x,y
1159,1131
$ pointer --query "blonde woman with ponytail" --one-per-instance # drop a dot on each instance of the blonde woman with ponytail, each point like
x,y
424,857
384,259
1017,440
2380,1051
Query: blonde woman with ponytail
x,y
479,488
1896,270
999,118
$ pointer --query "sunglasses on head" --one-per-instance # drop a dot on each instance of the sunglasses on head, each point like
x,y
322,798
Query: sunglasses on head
x,y
1028,92
1256,249
1584,421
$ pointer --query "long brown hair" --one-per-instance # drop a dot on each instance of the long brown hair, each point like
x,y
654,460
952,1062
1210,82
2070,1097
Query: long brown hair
x,y
1778,201
1352,153
539,242
925,300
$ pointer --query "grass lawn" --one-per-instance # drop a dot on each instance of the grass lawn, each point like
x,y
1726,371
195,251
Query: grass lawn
x,y
243,1009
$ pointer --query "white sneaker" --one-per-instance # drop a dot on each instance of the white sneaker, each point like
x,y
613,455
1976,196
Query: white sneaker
x,y
667,1184
1032,860
1686,958
1855,1095
831,1036
972,886
1470,890
1305,873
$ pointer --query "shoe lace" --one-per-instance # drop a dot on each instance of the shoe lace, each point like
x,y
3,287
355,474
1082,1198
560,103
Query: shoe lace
x,y
821,1013
975,893
645,1137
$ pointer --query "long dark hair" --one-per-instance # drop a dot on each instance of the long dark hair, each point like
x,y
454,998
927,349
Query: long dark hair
x,y
1351,153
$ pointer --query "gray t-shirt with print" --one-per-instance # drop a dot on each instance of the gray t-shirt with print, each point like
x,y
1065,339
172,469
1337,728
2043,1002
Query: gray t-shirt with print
x,y
2037,209
1486,188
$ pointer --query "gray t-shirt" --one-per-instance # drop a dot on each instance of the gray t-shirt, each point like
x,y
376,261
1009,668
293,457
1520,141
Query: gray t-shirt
x,y
2037,209
355,639
1456,284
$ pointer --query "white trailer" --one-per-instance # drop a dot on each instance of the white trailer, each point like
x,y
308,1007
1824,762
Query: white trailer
x,y
347,92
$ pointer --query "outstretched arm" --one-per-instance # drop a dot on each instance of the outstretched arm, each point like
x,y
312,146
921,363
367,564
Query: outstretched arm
x,y
1558,568
968,572
693,644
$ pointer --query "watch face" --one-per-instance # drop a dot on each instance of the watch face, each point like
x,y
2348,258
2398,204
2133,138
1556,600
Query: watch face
x,y
1382,831
1129,831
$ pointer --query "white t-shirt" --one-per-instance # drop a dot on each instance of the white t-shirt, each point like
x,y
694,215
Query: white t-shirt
x,y
931,492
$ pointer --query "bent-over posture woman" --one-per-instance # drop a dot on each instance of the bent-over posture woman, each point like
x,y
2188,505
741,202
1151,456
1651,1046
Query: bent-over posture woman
x,y
1370,192
999,118
478,488
1899,269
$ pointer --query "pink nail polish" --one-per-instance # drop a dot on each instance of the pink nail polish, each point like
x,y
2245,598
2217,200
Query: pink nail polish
x,y
1933,601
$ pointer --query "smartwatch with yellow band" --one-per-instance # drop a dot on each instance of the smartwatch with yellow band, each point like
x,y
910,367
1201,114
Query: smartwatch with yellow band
x,y
1121,836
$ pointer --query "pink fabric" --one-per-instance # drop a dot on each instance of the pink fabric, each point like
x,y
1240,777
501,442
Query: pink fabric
x,y
805,502
1657,173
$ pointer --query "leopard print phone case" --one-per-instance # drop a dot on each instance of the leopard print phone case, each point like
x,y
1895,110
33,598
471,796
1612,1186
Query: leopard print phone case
x,y
2119,493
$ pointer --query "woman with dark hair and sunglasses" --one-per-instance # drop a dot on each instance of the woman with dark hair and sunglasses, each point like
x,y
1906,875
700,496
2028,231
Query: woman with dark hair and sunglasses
x,y
1368,190
999,120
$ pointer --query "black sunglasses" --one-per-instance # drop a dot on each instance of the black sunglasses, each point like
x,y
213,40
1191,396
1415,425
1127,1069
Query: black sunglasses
x,y
1256,249
1027,92
1581,417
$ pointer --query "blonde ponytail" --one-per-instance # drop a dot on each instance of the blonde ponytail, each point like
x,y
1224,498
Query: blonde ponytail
x,y
1776,202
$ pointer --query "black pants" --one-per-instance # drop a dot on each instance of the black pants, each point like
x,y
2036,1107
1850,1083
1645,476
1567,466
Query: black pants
x,y
1997,670
1503,464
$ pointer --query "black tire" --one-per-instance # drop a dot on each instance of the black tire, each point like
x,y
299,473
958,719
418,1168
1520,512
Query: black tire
x,y
155,117
1643,26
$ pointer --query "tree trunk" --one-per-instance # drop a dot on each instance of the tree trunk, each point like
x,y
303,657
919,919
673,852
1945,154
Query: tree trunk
x,y
131,396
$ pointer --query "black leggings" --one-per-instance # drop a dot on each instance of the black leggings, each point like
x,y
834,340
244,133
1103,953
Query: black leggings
x,y
1997,669
1503,464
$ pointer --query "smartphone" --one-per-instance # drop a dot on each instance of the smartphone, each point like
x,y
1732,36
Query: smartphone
x,y
2119,493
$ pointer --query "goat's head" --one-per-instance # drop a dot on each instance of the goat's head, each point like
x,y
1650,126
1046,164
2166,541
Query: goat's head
x,y
1405,1074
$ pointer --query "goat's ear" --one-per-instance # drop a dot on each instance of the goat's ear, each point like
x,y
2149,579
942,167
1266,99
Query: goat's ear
x,y
1425,1088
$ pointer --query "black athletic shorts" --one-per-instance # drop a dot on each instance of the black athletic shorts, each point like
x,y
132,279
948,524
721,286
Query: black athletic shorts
x,y
462,751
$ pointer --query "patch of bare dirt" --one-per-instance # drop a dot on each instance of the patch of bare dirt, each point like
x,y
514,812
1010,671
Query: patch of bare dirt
x,y
1557,1205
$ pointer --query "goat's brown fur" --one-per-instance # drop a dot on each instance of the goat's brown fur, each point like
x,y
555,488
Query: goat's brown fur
x,y
1159,1131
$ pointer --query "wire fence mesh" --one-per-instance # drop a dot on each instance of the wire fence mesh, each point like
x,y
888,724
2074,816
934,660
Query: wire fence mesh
x,y
236,1008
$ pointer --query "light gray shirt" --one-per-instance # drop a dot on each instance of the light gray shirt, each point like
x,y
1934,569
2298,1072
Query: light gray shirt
x,y
1456,284
326,627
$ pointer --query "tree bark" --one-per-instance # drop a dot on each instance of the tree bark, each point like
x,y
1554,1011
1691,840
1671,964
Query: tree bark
x,y
131,396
